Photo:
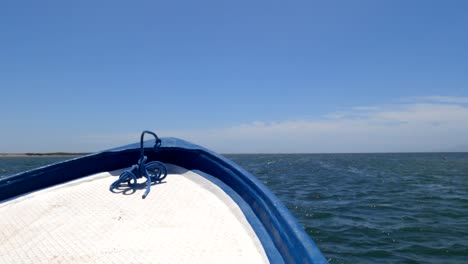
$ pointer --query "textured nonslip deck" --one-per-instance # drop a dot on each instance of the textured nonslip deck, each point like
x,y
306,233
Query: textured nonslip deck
x,y
186,219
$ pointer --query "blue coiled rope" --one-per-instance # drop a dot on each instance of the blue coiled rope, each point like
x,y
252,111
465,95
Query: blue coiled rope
x,y
153,171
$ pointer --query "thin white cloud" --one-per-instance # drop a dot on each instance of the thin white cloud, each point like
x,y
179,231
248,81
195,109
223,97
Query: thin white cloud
x,y
439,99
403,127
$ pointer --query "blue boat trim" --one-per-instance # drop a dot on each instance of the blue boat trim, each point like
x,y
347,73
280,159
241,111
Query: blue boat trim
x,y
289,238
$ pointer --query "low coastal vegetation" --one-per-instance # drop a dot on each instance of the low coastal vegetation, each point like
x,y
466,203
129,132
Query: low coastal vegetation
x,y
57,154
30,154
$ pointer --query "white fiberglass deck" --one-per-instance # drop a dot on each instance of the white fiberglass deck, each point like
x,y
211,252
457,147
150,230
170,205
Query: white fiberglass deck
x,y
186,219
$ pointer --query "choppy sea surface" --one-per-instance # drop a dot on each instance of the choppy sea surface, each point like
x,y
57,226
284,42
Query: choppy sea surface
x,y
361,208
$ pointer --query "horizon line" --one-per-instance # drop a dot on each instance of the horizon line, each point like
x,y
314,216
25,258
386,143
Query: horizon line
x,y
64,153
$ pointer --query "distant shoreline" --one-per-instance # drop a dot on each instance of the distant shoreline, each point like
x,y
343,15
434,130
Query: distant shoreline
x,y
50,154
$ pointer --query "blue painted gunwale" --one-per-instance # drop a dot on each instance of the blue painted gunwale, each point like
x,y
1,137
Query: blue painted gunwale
x,y
288,237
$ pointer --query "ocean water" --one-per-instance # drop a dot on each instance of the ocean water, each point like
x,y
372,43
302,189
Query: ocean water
x,y
362,208
12,165
374,208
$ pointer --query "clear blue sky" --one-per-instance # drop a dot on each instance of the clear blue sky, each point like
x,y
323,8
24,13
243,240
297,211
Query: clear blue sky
x,y
236,76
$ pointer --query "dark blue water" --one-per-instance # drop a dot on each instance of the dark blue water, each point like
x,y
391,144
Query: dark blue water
x,y
363,208
12,165
374,208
